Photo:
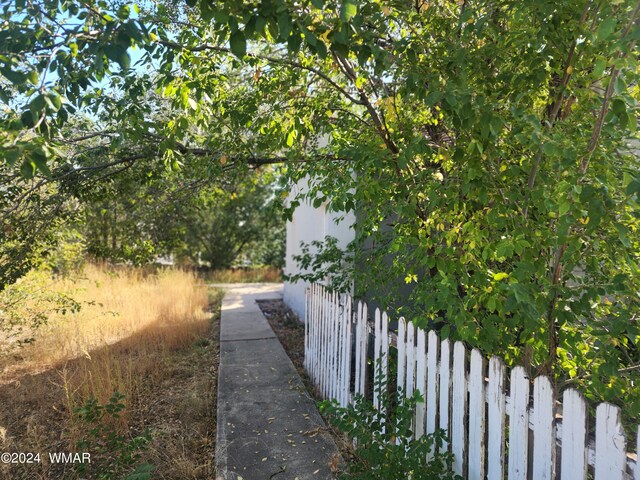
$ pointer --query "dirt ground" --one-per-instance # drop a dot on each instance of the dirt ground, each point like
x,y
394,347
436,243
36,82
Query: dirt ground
x,y
289,329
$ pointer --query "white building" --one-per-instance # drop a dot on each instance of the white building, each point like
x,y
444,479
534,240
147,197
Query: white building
x,y
309,224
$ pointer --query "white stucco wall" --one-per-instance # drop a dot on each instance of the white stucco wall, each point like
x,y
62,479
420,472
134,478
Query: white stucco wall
x,y
309,224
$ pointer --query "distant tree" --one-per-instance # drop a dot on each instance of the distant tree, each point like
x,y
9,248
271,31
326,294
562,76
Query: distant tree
x,y
225,224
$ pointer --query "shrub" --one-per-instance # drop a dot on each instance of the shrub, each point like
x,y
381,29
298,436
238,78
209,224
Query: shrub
x,y
113,454
385,447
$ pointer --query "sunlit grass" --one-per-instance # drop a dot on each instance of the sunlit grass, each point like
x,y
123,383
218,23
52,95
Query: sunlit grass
x,y
164,310
245,275
130,328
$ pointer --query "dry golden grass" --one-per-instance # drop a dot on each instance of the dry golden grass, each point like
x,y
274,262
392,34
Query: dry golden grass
x,y
115,305
245,275
163,311
137,334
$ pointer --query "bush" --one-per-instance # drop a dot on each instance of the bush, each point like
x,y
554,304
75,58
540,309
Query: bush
x,y
28,304
69,255
113,455
384,445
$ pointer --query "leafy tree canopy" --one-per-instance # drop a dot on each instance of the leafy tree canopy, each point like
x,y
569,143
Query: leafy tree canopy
x,y
486,146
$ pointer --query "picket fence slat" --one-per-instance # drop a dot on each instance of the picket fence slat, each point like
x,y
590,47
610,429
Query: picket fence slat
x,y
496,418
325,343
573,463
384,354
307,331
518,424
402,355
327,346
312,333
337,360
611,452
307,299
324,324
458,407
317,333
340,360
358,346
329,352
334,358
346,352
362,343
410,368
421,381
377,367
432,382
316,341
307,327
465,396
320,325
476,416
445,385
335,351
543,428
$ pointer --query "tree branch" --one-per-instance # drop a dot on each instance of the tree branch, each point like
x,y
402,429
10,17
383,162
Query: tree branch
x,y
381,127
555,105
615,72
267,58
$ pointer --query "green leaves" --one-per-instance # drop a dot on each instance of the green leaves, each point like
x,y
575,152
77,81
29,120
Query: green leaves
x,y
500,276
291,137
238,44
38,159
118,54
606,29
33,77
618,107
50,60
386,447
284,26
348,10
551,148
28,169
564,207
37,104
53,101
633,188
11,75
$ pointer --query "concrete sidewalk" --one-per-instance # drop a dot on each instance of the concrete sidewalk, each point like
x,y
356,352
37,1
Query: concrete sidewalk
x,y
268,426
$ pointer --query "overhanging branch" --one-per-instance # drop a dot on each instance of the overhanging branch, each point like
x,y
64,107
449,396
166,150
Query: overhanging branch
x,y
267,58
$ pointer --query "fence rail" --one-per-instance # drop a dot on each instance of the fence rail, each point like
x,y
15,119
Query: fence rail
x,y
521,434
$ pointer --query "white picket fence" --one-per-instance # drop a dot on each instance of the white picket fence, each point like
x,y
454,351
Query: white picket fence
x,y
524,434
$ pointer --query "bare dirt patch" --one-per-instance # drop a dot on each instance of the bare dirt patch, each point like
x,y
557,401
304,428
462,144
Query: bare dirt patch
x,y
288,328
